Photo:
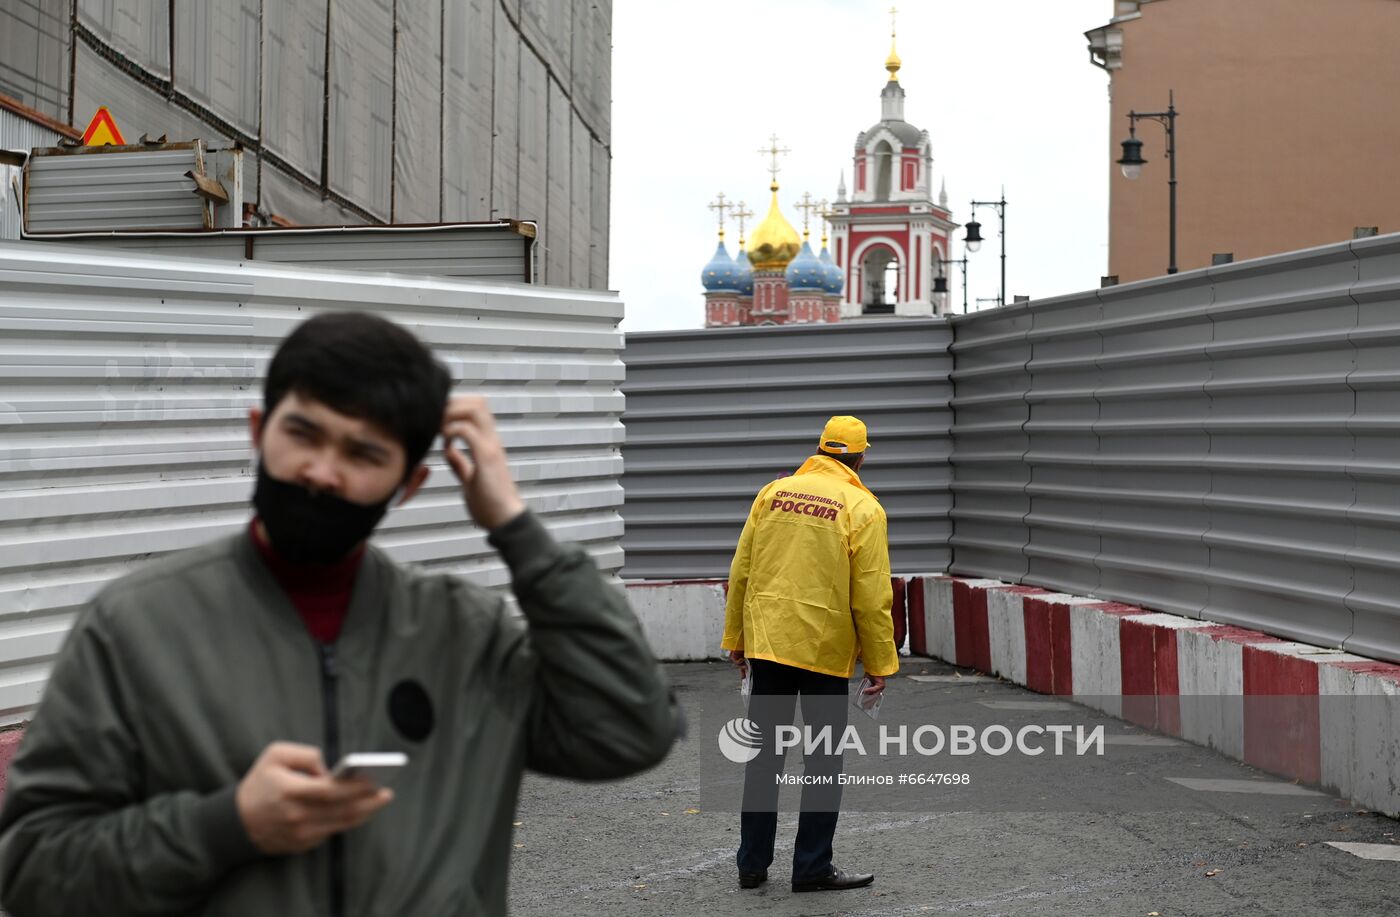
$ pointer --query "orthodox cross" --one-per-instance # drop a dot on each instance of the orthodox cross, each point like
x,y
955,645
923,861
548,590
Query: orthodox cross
x,y
774,151
824,211
720,205
741,214
807,205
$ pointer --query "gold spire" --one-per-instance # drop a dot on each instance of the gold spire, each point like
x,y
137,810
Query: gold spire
x,y
823,211
892,62
742,213
774,242
720,205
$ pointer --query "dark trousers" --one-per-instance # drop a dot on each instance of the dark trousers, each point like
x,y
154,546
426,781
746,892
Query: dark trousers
x,y
776,689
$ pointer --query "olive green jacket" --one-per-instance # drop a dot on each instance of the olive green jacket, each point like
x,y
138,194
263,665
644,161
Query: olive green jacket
x,y
177,676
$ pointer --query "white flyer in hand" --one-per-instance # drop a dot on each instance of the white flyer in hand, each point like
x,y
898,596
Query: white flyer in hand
x,y
869,704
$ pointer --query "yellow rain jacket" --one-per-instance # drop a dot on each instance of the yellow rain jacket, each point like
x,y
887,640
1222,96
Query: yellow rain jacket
x,y
810,582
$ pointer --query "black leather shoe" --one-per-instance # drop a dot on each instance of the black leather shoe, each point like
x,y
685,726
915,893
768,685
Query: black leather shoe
x,y
834,881
752,879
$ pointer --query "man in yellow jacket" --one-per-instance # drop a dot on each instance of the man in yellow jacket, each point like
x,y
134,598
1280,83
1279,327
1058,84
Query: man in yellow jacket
x,y
809,593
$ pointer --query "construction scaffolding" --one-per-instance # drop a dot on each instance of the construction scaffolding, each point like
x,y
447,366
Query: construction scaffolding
x,y
354,111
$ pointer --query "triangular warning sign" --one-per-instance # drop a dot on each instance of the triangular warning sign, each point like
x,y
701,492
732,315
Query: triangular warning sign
x,y
102,130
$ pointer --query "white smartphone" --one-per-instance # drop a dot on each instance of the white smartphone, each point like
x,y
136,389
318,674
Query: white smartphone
x,y
377,766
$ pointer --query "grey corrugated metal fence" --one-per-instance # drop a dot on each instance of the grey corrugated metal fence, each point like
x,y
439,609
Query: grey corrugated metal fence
x,y
1222,444
94,188
500,251
125,383
714,415
17,133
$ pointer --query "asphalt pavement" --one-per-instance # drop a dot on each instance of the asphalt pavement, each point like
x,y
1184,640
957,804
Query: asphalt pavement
x,y
1153,827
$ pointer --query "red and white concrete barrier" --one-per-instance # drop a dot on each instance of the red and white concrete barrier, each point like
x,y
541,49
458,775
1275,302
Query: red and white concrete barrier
x,y
683,620
899,610
1308,713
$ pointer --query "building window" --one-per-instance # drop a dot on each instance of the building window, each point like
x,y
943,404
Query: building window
x,y
883,157
880,271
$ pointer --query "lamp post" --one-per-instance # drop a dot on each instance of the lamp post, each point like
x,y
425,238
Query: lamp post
x,y
1132,161
974,236
940,283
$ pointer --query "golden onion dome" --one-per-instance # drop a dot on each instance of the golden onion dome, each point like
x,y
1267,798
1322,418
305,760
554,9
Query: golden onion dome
x,y
774,242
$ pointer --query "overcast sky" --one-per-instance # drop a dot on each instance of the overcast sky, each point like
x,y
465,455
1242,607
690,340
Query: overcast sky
x,y
1005,90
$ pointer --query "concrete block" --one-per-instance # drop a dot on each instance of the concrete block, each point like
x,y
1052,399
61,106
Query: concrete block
x,y
899,611
939,633
1006,633
1096,675
916,595
683,622
1360,731
1210,675
1049,650
1282,729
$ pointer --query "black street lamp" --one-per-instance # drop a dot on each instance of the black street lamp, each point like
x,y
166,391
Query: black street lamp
x,y
940,282
1132,161
974,236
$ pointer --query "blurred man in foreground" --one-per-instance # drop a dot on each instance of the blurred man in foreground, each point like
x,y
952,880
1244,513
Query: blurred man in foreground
x,y
180,762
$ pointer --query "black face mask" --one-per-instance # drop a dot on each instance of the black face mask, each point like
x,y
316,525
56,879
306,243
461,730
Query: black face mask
x,y
312,528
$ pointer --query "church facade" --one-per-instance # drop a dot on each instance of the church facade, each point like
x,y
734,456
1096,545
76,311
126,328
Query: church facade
x,y
890,239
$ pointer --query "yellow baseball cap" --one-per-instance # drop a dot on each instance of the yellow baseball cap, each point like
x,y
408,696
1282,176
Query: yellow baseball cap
x,y
844,434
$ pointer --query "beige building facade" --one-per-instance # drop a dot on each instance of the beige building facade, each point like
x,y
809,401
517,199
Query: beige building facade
x,y
1287,133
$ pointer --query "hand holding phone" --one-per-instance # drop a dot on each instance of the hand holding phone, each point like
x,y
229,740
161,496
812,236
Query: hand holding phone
x,y
375,766
289,803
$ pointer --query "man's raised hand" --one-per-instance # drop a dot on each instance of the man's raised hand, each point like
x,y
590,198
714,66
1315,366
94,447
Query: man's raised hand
x,y
491,496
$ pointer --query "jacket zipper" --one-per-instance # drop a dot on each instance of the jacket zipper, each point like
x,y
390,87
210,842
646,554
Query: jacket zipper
x,y
329,674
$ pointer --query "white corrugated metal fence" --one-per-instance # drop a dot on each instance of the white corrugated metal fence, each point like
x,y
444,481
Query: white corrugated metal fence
x,y
125,383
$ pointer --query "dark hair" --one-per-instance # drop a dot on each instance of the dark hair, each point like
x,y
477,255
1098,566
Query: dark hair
x,y
849,459
368,367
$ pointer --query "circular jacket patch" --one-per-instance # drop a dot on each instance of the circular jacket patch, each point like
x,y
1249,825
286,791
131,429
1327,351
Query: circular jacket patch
x,y
411,710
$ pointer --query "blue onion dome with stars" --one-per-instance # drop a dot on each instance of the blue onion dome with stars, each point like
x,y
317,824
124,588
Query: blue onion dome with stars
x,y
745,271
721,275
835,278
805,272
